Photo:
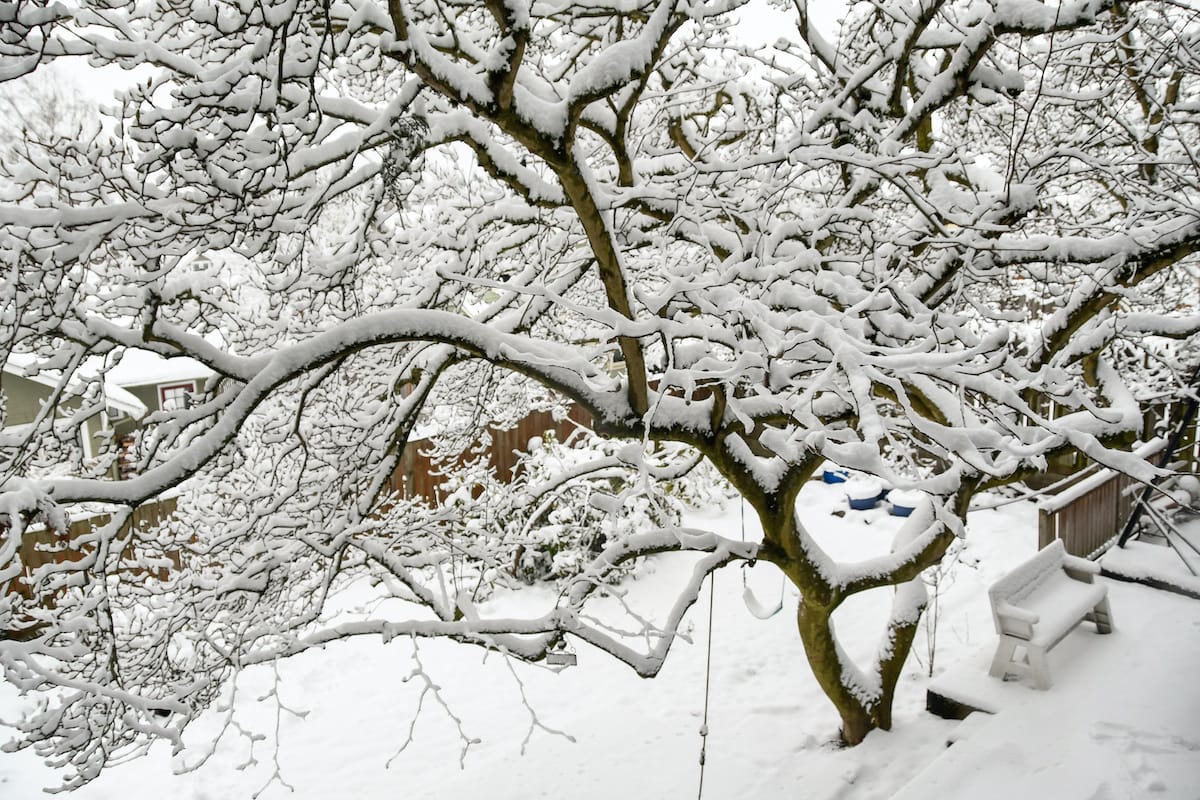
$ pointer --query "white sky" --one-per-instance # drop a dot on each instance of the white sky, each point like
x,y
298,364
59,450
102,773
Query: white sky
x,y
760,24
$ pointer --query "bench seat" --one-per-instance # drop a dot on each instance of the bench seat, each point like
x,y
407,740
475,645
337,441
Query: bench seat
x,y
1060,604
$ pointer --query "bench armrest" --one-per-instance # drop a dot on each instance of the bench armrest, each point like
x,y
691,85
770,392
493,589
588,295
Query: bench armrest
x,y
1080,568
1016,613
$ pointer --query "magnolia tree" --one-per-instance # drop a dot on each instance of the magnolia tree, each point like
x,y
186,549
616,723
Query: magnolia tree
x,y
893,242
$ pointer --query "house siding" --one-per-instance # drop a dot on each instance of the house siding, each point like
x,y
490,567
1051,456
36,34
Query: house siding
x,y
23,398
148,394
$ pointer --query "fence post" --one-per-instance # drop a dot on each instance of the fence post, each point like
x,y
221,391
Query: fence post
x,y
1045,528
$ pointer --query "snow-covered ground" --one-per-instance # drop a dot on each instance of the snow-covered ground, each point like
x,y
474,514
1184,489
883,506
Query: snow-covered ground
x,y
1170,563
1123,719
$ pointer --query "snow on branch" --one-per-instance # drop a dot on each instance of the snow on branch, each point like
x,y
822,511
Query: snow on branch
x,y
625,61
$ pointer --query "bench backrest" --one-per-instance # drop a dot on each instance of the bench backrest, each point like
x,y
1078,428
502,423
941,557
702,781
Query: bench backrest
x,y
1018,584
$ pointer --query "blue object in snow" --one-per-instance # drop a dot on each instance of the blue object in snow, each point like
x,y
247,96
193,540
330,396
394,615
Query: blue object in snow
x,y
835,475
905,502
863,493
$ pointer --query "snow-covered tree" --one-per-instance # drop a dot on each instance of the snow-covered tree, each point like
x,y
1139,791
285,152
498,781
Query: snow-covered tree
x,y
891,243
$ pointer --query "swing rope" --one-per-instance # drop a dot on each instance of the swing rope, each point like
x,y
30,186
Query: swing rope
x,y
742,508
712,590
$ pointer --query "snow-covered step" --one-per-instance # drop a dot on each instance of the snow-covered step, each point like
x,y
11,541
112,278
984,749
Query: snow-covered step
x,y
1189,547
1154,565
969,726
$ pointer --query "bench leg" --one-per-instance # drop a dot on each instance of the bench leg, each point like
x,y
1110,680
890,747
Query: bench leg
x,y
1003,659
1039,667
1035,664
1102,616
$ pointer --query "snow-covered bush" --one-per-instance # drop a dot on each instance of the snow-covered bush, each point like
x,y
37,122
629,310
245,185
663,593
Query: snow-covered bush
x,y
550,528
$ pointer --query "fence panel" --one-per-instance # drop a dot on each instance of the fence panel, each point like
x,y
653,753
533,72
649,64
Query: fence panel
x,y
41,546
419,476
1089,515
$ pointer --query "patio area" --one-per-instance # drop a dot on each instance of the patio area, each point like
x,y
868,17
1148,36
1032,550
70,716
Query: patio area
x,y
1121,721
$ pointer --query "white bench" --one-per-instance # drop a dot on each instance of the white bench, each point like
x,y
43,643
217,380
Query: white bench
x,y
1036,605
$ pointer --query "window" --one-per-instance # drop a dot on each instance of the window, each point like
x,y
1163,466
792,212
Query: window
x,y
175,396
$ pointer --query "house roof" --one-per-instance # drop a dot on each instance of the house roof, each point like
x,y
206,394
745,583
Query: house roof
x,y
135,368
143,368
121,400
16,364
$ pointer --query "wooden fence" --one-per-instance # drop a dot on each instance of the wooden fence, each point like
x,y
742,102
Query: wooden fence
x,y
1089,514
418,475
41,546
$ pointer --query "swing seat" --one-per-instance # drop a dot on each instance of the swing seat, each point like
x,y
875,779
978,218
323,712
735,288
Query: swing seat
x,y
756,608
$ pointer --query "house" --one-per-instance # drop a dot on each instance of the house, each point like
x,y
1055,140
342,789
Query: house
x,y
26,391
138,384
160,384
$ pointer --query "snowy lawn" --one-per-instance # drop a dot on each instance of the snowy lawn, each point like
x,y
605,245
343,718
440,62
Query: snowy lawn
x,y
1129,727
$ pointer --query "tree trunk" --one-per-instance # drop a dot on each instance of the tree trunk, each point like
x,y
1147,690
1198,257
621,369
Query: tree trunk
x,y
861,712
902,635
863,698
826,660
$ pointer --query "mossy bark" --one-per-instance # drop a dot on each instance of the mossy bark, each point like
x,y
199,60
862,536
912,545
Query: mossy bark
x,y
860,715
824,658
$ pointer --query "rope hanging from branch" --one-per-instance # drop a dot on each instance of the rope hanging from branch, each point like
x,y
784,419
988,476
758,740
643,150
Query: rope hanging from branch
x,y
712,590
